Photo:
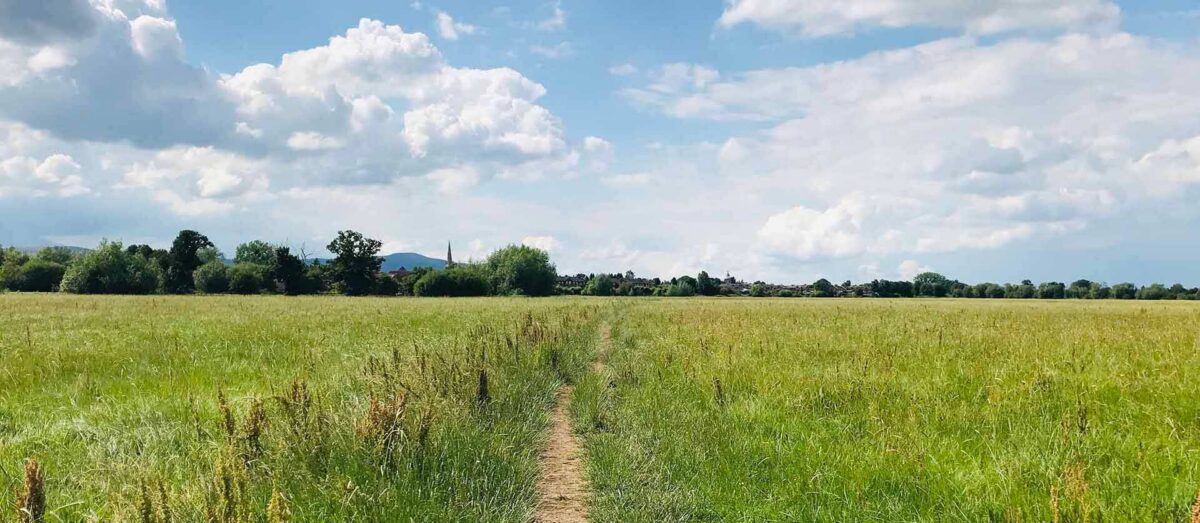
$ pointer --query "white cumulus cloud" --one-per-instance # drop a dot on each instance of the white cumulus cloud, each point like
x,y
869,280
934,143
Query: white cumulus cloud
x,y
815,18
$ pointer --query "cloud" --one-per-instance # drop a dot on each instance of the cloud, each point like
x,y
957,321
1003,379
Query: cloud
x,y
545,243
910,268
553,52
449,29
623,69
557,21
952,145
116,113
46,20
454,180
817,18
627,180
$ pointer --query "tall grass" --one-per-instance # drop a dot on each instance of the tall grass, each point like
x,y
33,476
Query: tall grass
x,y
797,410
227,409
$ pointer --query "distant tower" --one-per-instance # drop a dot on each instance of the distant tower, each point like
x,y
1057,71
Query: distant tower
x,y
449,256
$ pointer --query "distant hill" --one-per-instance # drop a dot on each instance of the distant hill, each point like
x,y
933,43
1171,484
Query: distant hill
x,y
407,260
410,260
72,248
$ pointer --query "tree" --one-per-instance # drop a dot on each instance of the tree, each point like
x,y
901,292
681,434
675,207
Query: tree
x,y
1154,291
184,260
159,257
1052,291
520,269
287,271
706,285
758,289
11,261
1080,289
599,285
212,278
892,289
408,282
208,255
59,255
356,262
246,278
1025,290
111,270
1178,291
460,280
257,252
385,285
40,275
930,284
1124,291
822,288
684,286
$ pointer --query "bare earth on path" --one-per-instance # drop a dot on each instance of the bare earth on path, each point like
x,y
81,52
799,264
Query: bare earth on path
x,y
562,484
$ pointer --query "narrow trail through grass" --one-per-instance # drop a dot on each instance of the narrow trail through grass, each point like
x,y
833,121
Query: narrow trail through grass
x,y
562,487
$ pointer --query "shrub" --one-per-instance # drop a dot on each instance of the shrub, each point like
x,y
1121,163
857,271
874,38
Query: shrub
x,y
684,286
111,270
599,285
247,278
462,280
386,285
520,269
212,278
40,275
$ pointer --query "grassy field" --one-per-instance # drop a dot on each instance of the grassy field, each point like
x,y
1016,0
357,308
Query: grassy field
x,y
703,409
363,409
857,410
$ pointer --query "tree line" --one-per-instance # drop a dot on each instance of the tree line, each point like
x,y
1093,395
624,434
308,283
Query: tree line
x,y
928,284
194,265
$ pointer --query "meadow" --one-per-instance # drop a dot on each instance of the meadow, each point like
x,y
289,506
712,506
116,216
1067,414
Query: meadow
x,y
271,408
250,409
879,410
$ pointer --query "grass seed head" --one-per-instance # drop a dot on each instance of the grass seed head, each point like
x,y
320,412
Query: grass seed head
x,y
278,510
32,502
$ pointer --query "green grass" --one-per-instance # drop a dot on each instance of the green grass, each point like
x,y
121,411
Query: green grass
x,y
861,410
706,409
112,393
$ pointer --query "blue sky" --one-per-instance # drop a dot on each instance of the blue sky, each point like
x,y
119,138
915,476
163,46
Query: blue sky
x,y
785,140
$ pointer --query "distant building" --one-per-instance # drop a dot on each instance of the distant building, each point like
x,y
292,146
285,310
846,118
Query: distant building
x,y
449,256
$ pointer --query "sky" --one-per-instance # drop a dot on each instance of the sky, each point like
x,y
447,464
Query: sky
x,y
782,140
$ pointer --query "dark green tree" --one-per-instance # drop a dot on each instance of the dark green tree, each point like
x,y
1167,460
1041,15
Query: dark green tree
x,y
356,262
385,285
707,285
1052,291
930,284
460,280
40,275
822,288
247,278
683,286
288,273
212,278
184,260
1124,291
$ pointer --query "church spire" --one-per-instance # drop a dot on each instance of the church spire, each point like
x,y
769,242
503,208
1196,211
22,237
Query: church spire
x,y
449,256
